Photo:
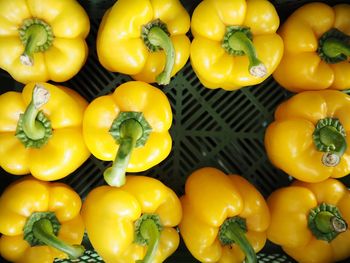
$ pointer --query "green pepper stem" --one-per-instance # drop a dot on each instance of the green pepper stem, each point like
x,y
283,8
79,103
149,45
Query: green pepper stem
x,y
233,231
43,230
333,47
327,222
236,234
240,41
158,37
130,131
150,232
36,36
329,137
34,129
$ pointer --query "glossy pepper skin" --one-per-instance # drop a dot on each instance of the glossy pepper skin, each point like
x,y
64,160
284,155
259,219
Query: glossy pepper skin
x,y
115,216
42,40
129,126
41,131
22,202
309,136
293,211
235,42
127,44
211,200
304,35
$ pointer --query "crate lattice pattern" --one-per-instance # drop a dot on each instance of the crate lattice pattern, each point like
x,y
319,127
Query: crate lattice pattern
x,y
216,128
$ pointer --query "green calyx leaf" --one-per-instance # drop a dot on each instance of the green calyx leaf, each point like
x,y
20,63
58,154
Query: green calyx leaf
x,y
232,231
334,46
42,229
329,137
36,36
33,127
325,222
130,130
147,233
156,37
238,42
36,216
225,227
146,29
27,141
230,31
117,132
138,236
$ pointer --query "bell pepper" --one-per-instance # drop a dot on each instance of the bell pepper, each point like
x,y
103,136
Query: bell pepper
x,y
133,223
41,131
308,139
145,39
39,221
224,217
317,48
42,40
129,126
310,221
235,43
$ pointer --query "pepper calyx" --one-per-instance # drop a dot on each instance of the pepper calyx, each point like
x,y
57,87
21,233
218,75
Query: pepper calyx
x,y
334,46
34,217
146,29
130,130
116,131
138,237
238,42
28,142
232,231
230,31
156,37
325,222
241,222
33,127
147,233
36,36
329,137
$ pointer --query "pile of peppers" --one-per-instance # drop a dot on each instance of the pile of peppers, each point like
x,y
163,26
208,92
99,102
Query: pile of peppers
x,y
48,131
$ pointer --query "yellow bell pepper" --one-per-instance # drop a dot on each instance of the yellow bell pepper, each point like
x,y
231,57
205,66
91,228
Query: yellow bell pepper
x,y
41,131
131,127
309,221
39,221
42,40
145,39
317,48
309,137
224,217
235,42
133,223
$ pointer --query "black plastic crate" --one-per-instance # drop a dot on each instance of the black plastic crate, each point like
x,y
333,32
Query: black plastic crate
x,y
218,128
